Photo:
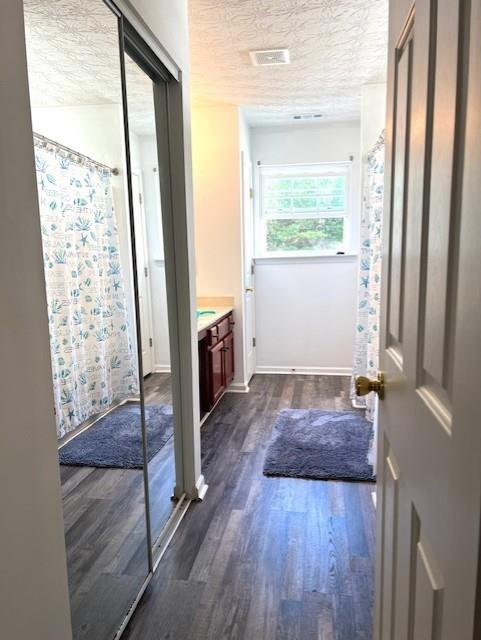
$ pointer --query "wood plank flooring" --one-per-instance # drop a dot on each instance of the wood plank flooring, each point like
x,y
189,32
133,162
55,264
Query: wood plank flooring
x,y
265,558
158,390
105,531
106,544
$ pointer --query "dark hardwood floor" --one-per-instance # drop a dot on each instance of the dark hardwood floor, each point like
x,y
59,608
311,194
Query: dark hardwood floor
x,y
106,544
105,531
158,390
265,558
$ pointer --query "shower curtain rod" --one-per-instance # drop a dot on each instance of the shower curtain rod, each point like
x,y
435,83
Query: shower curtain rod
x,y
113,170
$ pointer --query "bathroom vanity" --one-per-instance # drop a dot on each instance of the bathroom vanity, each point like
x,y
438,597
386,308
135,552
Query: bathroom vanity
x,y
216,355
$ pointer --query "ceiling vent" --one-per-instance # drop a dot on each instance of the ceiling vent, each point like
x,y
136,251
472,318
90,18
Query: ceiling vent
x,y
307,116
269,57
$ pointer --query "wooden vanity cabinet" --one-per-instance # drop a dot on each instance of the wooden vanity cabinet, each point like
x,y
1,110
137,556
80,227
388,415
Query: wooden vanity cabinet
x,y
216,361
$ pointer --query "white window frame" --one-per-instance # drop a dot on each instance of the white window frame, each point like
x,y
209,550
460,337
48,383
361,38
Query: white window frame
x,y
296,170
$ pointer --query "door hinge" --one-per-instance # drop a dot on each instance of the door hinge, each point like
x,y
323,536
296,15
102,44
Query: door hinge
x,y
146,271
151,342
140,198
253,342
251,192
253,267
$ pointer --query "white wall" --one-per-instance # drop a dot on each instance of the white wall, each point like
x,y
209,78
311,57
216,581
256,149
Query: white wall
x,y
217,208
373,115
306,308
245,134
305,315
168,22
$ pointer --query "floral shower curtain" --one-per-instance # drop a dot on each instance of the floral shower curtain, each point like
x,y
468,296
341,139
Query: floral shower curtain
x,y
366,350
93,365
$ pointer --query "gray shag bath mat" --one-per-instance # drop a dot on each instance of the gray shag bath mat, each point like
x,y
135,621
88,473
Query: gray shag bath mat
x,y
322,445
115,440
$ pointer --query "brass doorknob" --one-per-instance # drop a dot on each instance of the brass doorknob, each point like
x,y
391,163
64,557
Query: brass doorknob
x,y
366,385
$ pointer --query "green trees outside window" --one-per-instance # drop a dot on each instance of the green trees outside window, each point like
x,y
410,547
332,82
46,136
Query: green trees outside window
x,y
311,234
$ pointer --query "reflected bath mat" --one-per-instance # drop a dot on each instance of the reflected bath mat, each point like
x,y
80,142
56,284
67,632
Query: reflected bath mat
x,y
115,439
321,445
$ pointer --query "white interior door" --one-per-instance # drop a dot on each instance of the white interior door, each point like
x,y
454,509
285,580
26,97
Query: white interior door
x,y
429,449
249,267
143,274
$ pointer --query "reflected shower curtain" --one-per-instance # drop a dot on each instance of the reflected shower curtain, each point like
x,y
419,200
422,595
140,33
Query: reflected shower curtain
x,y
93,365
366,349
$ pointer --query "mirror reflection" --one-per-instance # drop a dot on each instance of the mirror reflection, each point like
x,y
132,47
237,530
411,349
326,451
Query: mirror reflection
x,y
78,120
149,247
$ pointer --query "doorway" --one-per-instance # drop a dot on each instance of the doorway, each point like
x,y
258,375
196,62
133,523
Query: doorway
x,y
249,265
143,275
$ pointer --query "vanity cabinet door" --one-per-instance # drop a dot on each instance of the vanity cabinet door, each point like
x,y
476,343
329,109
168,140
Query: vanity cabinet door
x,y
229,358
217,377
219,331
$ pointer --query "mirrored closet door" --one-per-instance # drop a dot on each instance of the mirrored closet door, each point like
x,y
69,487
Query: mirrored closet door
x,y
95,141
146,134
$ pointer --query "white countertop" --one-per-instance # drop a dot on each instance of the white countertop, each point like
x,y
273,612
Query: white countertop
x,y
205,321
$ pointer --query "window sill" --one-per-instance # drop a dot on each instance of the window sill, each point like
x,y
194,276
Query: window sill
x,y
302,258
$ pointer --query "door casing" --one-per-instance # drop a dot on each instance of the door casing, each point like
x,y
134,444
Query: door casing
x,y
248,267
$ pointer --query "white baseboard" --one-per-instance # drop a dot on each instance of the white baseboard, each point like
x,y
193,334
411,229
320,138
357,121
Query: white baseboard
x,y
200,489
161,368
311,371
358,405
238,387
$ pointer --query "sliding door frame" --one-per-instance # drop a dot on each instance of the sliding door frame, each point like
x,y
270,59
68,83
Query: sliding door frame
x,y
178,249
141,54
179,262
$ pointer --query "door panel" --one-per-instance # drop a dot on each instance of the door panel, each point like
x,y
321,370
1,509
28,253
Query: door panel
x,y
217,371
229,359
436,264
429,453
428,589
401,147
390,509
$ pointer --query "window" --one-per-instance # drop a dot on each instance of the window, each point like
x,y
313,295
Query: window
x,y
303,209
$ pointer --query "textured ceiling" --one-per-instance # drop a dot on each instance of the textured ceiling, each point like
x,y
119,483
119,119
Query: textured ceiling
x,y
73,59
336,46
